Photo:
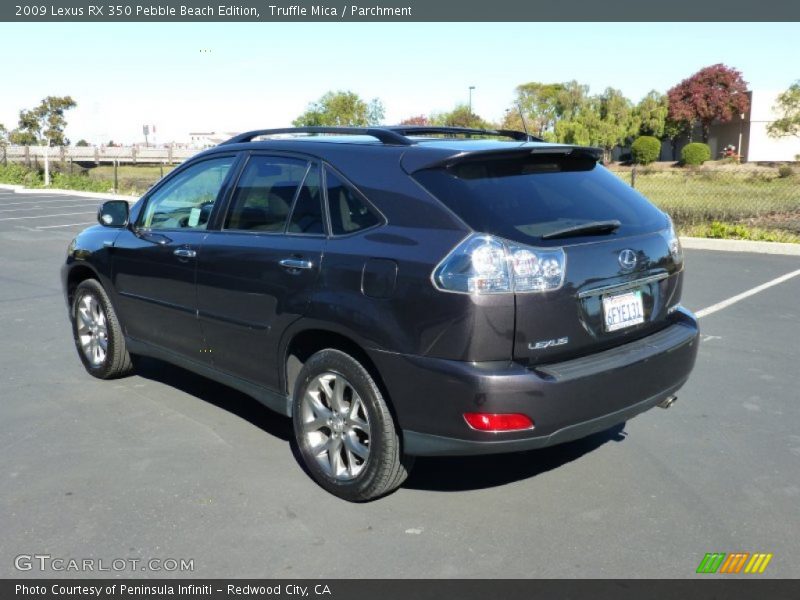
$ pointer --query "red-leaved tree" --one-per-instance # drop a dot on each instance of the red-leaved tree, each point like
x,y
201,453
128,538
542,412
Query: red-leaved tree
x,y
418,121
714,93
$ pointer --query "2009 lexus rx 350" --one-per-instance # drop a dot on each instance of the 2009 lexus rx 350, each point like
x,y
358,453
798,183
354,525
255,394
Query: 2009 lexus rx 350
x,y
395,291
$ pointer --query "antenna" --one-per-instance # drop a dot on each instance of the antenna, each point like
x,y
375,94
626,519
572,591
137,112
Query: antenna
x,y
522,116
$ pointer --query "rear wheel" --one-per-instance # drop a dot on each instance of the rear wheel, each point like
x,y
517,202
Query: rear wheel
x,y
344,430
97,333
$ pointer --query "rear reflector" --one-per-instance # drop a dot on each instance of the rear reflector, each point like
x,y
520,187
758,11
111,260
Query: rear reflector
x,y
498,422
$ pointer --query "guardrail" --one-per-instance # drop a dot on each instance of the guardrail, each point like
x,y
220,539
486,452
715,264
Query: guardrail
x,y
33,155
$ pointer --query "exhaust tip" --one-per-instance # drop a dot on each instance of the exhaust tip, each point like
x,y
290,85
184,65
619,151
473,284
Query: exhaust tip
x,y
667,402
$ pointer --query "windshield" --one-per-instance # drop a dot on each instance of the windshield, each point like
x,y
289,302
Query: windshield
x,y
524,198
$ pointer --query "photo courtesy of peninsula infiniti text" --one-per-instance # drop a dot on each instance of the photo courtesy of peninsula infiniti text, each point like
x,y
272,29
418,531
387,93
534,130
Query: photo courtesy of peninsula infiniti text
x,y
395,291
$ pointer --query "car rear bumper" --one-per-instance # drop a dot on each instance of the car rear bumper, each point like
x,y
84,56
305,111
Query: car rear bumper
x,y
566,401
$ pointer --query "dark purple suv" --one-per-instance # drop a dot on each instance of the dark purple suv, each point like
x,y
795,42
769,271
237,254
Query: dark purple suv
x,y
395,291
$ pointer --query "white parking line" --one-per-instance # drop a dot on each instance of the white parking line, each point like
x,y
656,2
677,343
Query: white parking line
x,y
751,292
34,201
35,196
46,216
67,225
46,195
37,207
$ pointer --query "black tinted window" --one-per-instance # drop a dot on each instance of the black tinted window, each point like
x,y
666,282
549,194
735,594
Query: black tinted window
x,y
307,213
526,197
349,212
264,194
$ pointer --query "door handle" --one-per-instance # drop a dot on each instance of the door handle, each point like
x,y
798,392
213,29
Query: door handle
x,y
296,263
185,253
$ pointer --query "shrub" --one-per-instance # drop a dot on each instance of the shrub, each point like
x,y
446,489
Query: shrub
x,y
79,182
695,154
645,149
738,231
785,171
19,175
760,177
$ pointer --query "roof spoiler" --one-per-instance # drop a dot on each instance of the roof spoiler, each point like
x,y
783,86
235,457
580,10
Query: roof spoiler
x,y
413,163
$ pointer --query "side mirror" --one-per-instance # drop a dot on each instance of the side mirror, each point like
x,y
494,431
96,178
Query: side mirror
x,y
113,213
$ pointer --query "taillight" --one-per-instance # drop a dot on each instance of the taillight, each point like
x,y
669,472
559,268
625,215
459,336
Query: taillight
x,y
484,264
498,422
673,243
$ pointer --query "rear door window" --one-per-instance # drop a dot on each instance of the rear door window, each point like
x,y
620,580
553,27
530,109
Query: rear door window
x,y
523,198
307,216
265,193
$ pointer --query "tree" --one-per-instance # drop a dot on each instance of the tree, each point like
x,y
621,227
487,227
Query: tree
x,y
714,93
341,109
652,113
606,120
460,116
544,105
674,130
617,121
44,123
82,143
3,135
572,99
789,108
22,138
539,104
417,121
575,132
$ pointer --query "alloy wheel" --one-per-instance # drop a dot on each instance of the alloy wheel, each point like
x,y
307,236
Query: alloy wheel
x,y
92,330
335,426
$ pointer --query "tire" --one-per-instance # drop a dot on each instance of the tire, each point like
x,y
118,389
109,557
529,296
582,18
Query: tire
x,y
353,452
97,333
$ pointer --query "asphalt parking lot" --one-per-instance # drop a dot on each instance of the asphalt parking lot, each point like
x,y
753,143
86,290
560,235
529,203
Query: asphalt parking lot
x,y
165,464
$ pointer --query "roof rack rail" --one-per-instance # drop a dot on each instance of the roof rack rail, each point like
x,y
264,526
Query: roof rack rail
x,y
432,129
385,135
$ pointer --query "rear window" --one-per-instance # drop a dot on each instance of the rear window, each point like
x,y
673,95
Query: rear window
x,y
523,198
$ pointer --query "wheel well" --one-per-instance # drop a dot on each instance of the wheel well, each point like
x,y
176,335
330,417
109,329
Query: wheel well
x,y
306,343
76,276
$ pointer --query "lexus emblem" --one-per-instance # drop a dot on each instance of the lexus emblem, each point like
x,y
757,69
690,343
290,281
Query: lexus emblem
x,y
627,259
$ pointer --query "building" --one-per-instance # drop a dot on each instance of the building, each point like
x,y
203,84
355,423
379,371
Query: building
x,y
751,129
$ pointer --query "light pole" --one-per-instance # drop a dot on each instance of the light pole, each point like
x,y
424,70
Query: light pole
x,y
739,147
472,87
46,162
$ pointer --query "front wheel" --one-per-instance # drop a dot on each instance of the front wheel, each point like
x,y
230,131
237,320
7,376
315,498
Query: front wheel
x,y
97,333
344,430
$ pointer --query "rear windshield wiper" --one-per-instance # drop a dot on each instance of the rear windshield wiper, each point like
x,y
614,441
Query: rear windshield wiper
x,y
583,228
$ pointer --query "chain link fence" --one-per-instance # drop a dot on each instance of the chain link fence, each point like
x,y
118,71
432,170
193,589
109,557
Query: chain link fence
x,y
754,196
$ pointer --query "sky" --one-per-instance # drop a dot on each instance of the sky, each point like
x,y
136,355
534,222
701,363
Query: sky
x,y
184,77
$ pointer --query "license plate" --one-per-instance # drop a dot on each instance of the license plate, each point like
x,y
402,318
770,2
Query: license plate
x,y
623,310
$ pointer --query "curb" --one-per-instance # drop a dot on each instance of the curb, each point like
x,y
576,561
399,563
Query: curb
x,y
694,243
21,189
